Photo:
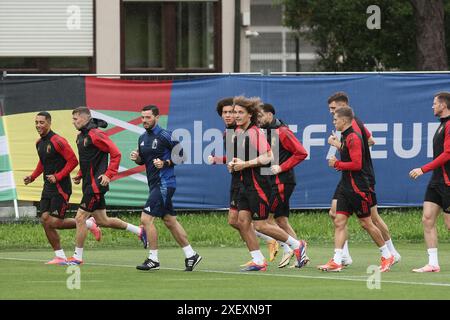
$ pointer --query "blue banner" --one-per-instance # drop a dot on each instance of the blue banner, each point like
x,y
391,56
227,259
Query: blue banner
x,y
396,108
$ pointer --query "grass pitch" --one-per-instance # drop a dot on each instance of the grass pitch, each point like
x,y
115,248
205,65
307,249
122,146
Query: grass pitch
x,y
111,274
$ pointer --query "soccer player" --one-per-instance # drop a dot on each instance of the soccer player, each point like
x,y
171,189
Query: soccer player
x,y
56,162
437,196
225,109
253,202
353,194
336,101
157,151
290,153
93,149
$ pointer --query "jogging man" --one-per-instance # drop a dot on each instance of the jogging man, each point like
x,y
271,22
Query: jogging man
x,y
155,148
253,202
290,153
225,109
336,101
353,194
437,195
56,162
94,146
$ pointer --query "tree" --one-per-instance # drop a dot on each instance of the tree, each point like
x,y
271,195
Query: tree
x,y
430,34
339,30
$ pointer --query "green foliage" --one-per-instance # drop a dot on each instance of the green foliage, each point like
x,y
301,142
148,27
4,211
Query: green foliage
x,y
338,28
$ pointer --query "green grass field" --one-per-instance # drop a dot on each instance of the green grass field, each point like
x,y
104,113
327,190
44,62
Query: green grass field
x,y
109,270
111,274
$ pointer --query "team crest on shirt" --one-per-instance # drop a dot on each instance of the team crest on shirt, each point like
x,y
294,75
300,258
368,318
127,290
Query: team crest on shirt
x,y
155,144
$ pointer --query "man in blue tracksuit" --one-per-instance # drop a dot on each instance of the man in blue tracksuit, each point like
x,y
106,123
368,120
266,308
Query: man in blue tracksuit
x,y
155,149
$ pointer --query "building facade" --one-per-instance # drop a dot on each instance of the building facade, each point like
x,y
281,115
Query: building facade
x,y
147,36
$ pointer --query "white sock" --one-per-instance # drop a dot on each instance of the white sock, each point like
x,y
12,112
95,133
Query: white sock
x,y
60,254
263,236
257,257
89,224
78,253
433,257
133,228
188,251
291,242
285,247
337,256
345,251
385,253
153,255
391,247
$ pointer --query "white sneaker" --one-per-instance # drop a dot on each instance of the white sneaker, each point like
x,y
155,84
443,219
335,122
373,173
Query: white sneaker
x,y
346,261
397,258
287,256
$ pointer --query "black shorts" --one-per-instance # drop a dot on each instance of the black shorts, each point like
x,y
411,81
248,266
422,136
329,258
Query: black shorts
x,y
159,202
439,194
234,196
92,202
279,199
373,196
349,202
55,205
336,191
255,201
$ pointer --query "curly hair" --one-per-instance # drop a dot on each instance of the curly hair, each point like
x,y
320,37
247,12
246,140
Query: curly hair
x,y
252,105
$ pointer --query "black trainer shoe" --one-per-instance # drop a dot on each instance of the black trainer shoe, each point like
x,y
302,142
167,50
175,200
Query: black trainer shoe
x,y
148,264
191,262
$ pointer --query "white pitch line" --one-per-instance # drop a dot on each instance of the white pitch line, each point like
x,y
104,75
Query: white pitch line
x,y
255,274
59,281
210,279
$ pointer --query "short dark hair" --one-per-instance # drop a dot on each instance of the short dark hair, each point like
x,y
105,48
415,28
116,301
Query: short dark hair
x,y
339,96
223,103
151,107
267,107
444,97
45,114
82,110
344,112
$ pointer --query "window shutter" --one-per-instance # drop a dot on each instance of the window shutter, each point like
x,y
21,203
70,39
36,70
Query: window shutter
x,y
46,28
